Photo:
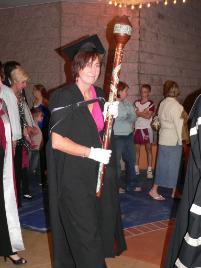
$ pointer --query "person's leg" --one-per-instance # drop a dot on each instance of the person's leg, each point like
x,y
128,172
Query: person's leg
x,y
137,141
176,194
129,157
119,148
148,149
137,157
43,166
18,172
25,184
153,193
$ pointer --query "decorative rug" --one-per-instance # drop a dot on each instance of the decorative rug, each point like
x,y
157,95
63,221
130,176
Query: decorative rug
x,y
137,208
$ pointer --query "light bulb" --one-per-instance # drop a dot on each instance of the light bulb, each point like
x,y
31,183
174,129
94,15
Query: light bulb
x,y
140,6
184,1
120,5
132,7
110,2
115,3
175,1
166,2
148,5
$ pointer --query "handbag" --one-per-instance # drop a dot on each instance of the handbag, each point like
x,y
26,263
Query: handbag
x,y
155,123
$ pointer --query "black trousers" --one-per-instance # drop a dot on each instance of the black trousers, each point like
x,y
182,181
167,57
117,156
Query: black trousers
x,y
18,172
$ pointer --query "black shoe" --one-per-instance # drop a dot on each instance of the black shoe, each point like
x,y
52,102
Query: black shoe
x,y
27,196
20,261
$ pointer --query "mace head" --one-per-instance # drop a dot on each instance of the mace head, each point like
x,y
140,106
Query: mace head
x,y
122,30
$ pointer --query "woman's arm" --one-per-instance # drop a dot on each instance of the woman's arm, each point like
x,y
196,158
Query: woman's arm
x,y
145,114
68,146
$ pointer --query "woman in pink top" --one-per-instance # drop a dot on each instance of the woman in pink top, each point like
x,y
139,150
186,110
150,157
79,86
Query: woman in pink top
x,y
85,229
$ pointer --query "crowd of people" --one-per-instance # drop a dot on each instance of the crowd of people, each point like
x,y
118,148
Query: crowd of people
x,y
24,133
85,229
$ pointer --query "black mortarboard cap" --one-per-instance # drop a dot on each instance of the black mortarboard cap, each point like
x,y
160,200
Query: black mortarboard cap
x,y
88,44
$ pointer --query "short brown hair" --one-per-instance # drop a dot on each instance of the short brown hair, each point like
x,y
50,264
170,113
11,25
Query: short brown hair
x,y
42,90
80,61
121,86
171,89
147,86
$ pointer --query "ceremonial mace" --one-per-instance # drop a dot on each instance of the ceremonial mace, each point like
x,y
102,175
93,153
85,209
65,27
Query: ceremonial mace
x,y
122,33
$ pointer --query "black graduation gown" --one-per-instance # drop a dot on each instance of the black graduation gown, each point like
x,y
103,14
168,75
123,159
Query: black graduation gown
x,y
84,228
185,247
5,245
10,231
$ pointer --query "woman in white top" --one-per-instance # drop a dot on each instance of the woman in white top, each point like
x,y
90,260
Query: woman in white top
x,y
170,141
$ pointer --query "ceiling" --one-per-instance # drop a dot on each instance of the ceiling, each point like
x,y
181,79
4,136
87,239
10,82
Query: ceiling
x,y
16,3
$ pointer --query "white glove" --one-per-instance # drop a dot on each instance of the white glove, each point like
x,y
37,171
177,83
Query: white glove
x,y
100,155
110,108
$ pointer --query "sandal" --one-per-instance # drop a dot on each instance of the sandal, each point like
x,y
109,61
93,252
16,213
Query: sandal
x,y
121,191
157,197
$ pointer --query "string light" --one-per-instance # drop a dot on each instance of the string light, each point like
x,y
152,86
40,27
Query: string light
x,y
140,4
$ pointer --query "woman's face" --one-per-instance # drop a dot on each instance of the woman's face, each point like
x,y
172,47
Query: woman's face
x,y
20,85
123,94
36,93
90,73
144,93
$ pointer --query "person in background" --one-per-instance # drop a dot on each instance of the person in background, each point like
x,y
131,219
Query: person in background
x,y
37,140
10,231
170,142
19,79
41,102
143,135
8,67
85,229
123,134
9,97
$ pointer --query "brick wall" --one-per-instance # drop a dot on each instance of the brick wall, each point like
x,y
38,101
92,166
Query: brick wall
x,y
166,42
30,35
170,46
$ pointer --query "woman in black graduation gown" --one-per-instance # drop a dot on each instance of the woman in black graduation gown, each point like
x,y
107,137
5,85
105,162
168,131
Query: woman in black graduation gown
x,y
185,246
85,229
10,230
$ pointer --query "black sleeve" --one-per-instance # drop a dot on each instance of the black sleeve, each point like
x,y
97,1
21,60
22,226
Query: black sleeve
x,y
60,120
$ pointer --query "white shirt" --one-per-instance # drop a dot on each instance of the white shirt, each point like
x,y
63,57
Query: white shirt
x,y
10,99
142,123
169,113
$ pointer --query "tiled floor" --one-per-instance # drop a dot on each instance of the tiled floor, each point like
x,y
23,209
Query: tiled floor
x,y
147,245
